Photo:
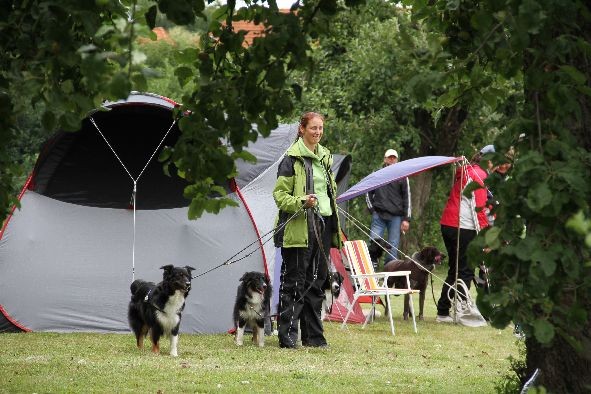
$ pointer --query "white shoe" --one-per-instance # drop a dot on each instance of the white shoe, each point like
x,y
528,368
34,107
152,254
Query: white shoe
x,y
444,319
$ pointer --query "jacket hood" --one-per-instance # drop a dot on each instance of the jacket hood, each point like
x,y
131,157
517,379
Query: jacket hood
x,y
298,149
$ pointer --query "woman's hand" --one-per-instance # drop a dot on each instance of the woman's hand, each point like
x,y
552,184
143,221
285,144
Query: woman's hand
x,y
404,226
309,200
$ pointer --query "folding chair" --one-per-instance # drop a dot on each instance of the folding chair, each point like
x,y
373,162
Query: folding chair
x,y
373,284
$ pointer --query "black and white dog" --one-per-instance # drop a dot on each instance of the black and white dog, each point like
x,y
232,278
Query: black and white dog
x,y
156,308
332,289
253,300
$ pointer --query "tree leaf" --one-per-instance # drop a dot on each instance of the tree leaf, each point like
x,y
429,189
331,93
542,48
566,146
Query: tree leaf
x,y
578,77
543,330
492,237
546,259
183,74
539,196
245,155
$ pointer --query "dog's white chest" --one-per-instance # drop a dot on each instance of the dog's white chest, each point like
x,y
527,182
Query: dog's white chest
x,y
254,307
169,316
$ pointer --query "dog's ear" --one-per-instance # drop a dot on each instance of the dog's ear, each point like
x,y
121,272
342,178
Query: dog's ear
x,y
167,268
189,268
243,277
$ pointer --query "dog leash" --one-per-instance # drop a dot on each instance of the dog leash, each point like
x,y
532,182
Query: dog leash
x,y
258,240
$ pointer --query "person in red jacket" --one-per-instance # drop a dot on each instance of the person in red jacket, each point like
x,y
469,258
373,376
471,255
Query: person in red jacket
x,y
463,217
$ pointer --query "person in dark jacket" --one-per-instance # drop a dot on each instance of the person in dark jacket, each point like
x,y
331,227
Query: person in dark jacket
x,y
390,209
305,188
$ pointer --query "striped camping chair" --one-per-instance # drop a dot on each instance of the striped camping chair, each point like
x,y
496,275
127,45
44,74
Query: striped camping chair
x,y
373,284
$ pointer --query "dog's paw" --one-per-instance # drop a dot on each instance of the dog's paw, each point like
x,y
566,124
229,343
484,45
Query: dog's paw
x,y
421,317
239,343
173,353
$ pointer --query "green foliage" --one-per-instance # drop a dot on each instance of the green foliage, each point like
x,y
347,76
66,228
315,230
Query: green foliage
x,y
70,56
382,81
511,382
162,63
539,268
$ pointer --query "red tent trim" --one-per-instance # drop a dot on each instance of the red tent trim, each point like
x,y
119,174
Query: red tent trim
x,y
12,321
235,187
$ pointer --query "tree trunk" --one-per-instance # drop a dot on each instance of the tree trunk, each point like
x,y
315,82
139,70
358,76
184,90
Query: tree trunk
x,y
562,369
440,140
420,193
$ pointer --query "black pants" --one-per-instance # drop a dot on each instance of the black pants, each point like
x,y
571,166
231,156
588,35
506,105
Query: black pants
x,y
450,238
303,272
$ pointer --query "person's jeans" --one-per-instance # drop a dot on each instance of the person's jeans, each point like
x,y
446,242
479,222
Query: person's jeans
x,y
378,228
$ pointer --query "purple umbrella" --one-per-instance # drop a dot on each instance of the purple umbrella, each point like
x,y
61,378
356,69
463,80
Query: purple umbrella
x,y
394,172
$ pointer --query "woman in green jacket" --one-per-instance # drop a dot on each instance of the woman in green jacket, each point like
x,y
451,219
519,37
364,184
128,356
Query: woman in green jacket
x,y
305,188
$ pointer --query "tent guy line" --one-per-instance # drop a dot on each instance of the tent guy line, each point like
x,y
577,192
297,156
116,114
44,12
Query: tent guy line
x,y
134,180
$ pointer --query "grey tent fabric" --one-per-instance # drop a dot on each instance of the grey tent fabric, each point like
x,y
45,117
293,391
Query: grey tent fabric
x,y
70,265
66,254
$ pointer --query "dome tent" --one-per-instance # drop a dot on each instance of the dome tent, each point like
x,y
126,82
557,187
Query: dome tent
x,y
66,256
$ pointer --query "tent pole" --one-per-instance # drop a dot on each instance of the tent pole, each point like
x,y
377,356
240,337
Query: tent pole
x,y
133,244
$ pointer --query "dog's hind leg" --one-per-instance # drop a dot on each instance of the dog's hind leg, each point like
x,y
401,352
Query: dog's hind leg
x,y
421,303
406,307
140,335
155,334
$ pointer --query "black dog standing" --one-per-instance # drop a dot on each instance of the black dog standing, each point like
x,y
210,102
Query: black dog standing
x,y
253,301
156,309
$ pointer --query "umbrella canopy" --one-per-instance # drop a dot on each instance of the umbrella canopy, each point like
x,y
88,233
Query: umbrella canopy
x,y
394,172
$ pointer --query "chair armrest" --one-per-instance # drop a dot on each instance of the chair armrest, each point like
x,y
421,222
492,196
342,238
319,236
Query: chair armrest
x,y
375,275
404,274
396,273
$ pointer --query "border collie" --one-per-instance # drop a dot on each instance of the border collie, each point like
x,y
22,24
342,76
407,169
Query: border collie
x,y
156,309
332,289
253,300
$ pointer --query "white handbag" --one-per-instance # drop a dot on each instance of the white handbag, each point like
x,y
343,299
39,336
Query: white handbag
x,y
466,312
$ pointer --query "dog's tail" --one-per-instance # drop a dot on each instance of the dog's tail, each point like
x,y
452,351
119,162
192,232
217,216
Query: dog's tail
x,y
136,285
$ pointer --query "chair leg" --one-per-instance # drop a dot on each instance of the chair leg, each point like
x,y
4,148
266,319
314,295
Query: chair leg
x,y
371,311
390,314
349,310
412,312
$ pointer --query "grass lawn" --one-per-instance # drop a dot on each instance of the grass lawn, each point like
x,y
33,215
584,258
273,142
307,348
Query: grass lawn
x,y
440,358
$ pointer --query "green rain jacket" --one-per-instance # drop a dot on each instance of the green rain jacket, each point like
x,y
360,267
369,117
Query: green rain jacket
x,y
289,191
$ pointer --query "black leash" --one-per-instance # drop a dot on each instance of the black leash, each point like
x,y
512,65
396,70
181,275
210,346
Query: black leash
x,y
432,289
230,261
